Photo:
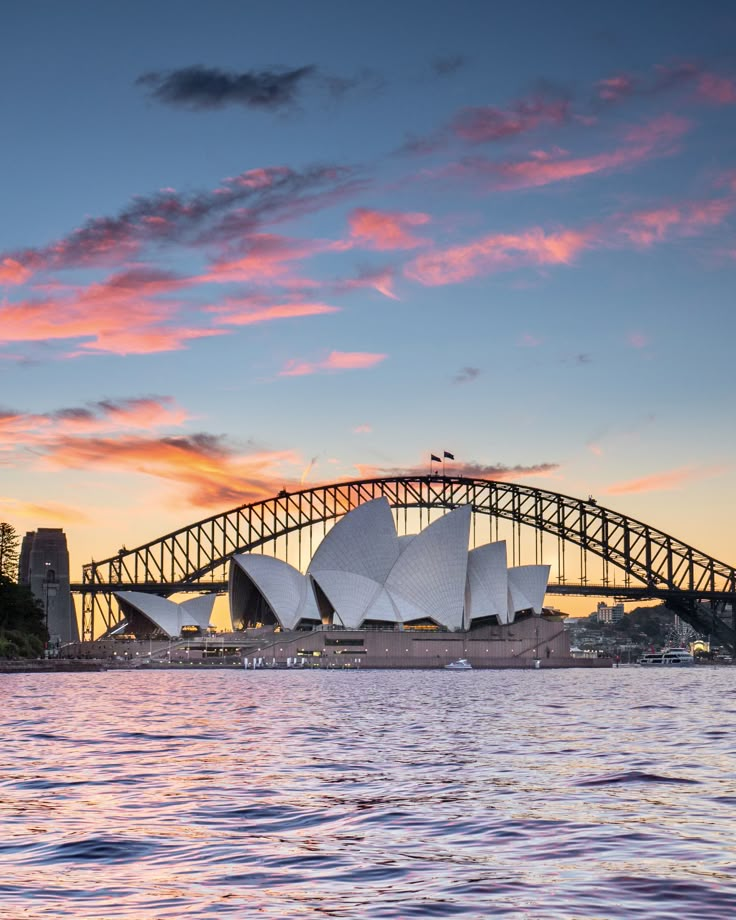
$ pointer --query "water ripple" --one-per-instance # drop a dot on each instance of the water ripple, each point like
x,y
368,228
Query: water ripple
x,y
366,795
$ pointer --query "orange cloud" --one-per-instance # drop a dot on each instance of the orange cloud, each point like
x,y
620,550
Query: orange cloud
x,y
53,512
142,413
335,361
498,252
12,272
386,229
205,472
663,482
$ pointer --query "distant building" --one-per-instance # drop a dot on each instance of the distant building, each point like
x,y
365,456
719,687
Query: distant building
x,y
609,613
44,567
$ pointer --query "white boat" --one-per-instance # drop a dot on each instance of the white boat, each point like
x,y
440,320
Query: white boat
x,y
460,664
669,657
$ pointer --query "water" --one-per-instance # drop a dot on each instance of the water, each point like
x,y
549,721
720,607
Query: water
x,y
403,794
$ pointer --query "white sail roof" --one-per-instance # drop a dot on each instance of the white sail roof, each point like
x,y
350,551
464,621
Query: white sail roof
x,y
364,541
431,572
197,610
350,594
165,614
487,587
284,588
527,587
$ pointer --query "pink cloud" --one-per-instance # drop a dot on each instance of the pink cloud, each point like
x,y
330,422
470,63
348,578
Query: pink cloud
x,y
482,124
270,260
498,252
249,311
615,88
644,228
238,206
362,429
380,279
12,272
656,138
121,315
663,482
335,361
386,230
530,341
716,89
20,429
637,340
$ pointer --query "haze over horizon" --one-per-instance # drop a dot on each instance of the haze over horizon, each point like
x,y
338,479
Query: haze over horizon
x,y
246,247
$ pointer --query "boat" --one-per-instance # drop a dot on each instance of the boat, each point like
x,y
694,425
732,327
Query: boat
x,y
460,664
669,657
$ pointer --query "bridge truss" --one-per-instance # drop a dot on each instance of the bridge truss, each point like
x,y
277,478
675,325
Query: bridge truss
x,y
592,550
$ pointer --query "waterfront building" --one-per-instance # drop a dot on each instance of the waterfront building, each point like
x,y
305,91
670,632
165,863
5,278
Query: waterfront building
x,y
363,575
149,616
612,613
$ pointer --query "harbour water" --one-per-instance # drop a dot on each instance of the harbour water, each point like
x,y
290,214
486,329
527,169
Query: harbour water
x,y
400,794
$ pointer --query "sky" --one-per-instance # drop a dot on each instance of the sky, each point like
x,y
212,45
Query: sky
x,y
245,246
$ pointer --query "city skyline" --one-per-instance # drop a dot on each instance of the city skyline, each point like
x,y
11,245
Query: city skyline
x,y
255,248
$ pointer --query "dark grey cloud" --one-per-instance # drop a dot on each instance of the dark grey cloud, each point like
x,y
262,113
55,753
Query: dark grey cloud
x,y
240,205
466,375
211,88
447,64
202,88
367,80
479,470
73,415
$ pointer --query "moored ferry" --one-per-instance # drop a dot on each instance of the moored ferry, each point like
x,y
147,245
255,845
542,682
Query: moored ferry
x,y
669,657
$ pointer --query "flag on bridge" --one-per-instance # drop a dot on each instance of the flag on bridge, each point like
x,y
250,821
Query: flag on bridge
x,y
449,456
435,459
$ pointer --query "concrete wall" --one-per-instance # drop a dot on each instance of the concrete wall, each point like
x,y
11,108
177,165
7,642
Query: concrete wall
x,y
517,645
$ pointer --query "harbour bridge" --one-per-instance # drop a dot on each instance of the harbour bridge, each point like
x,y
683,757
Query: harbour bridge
x,y
592,550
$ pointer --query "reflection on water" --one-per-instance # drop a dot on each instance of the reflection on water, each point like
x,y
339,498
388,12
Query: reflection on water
x,y
400,794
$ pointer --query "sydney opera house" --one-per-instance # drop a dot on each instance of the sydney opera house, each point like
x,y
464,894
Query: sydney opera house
x,y
378,599
364,574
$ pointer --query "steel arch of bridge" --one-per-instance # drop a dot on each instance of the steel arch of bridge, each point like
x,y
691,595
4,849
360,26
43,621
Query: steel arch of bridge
x,y
654,564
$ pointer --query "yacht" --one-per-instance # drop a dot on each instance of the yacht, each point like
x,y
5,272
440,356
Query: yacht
x,y
669,657
460,664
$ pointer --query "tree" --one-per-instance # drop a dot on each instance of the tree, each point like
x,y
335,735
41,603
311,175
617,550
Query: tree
x,y
22,629
8,551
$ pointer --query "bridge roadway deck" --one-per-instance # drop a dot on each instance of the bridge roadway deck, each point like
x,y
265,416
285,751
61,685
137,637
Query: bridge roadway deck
x,y
624,592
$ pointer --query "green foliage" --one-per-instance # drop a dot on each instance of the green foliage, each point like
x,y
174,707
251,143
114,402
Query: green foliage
x,y
22,630
9,541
